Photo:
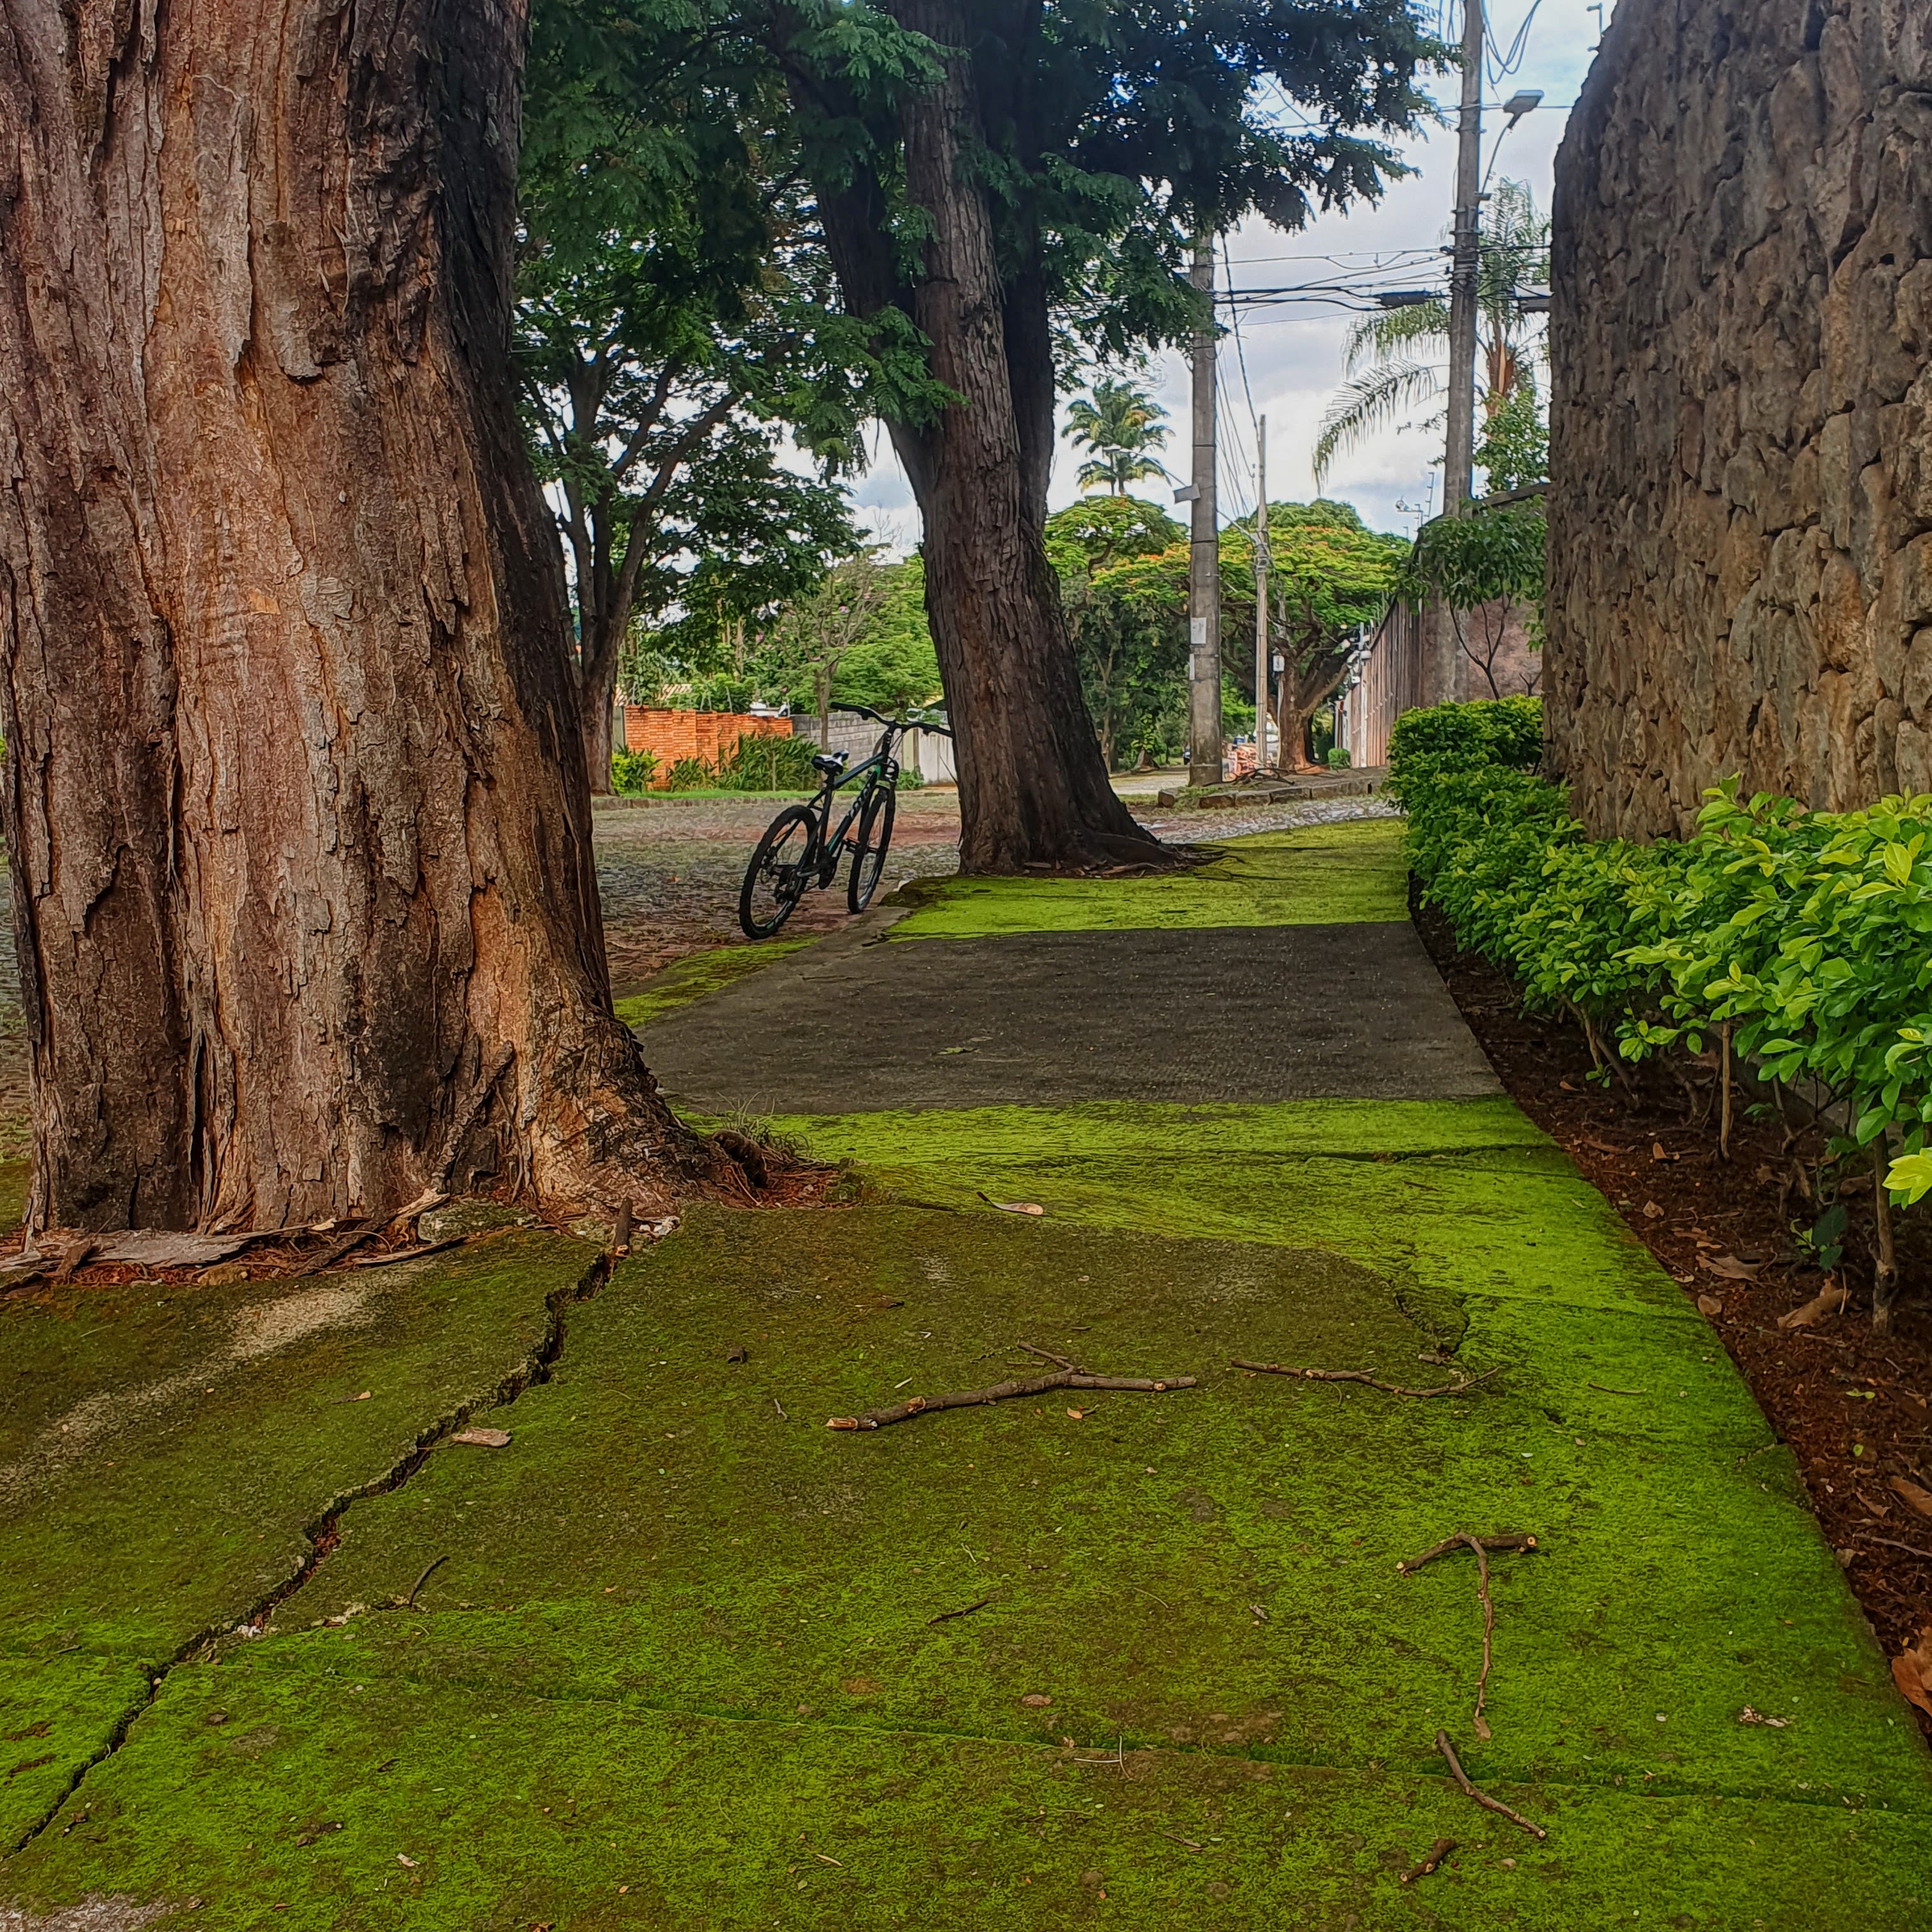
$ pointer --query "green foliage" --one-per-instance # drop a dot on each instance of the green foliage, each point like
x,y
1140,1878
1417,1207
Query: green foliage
x,y
1470,560
1807,936
1122,426
1395,360
1514,451
632,772
1338,758
767,762
692,775
857,637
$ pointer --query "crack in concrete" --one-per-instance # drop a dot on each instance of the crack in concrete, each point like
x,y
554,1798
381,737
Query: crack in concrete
x,y
324,1533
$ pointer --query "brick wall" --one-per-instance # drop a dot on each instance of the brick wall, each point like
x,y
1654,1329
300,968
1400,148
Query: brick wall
x,y
672,735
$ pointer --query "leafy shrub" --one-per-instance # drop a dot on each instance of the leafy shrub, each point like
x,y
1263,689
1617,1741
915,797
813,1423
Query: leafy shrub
x,y
910,779
632,772
1803,938
692,775
768,762
1338,758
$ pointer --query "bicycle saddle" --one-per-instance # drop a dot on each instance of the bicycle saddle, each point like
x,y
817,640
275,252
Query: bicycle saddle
x,y
830,763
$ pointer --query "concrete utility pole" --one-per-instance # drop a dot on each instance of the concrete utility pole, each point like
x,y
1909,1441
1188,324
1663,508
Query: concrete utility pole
x,y
1203,555
1460,455
1260,606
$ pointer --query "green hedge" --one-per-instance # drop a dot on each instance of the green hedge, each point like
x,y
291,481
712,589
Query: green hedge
x,y
1807,934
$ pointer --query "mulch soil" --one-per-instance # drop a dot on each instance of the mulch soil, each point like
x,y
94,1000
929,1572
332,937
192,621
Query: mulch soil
x,y
1855,1411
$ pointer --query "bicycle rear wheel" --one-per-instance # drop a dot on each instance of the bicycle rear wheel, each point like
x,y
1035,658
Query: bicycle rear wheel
x,y
775,880
868,850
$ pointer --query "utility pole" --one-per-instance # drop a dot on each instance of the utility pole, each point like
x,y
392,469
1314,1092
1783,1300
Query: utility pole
x,y
1460,455
1203,555
1260,607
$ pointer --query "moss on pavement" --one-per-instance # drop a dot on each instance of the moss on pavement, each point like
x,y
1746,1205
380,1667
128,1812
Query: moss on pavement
x,y
679,1656
699,974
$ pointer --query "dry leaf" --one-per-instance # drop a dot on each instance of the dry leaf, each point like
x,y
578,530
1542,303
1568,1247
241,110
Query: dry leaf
x,y
1657,1152
1827,1300
404,1858
1652,1212
1748,1716
1911,1672
1709,1306
1076,1414
1920,1499
1729,1267
483,1439
1033,1701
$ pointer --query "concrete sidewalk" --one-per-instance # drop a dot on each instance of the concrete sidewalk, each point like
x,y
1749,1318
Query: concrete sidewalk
x,y
677,1655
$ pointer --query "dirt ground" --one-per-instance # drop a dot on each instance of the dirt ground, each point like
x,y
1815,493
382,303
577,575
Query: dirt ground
x,y
1855,1411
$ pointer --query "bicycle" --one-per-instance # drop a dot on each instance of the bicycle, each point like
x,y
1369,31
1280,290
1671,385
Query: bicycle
x,y
798,853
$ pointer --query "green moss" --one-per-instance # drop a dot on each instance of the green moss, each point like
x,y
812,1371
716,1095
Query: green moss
x,y
165,1451
514,1810
15,1177
696,1625
1344,874
699,974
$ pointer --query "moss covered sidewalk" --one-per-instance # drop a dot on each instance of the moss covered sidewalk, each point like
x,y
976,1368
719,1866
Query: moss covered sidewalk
x,y
281,1652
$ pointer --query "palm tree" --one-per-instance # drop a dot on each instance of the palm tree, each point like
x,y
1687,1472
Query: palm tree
x,y
1122,425
1394,360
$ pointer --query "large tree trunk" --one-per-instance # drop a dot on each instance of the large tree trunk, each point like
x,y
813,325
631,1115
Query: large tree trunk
x,y
294,792
1034,789
600,731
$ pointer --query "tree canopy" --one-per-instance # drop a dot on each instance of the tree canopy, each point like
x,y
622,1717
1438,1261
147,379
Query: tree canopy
x,y
1122,426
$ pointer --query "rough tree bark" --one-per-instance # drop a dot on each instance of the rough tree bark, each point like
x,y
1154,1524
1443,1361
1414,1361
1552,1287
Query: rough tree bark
x,y
1034,789
294,794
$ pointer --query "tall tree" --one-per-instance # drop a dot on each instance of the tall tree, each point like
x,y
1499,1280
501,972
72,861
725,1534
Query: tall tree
x,y
1398,360
1122,426
294,794
1000,170
676,309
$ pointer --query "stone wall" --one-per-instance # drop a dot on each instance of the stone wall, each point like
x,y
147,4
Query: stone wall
x,y
1741,496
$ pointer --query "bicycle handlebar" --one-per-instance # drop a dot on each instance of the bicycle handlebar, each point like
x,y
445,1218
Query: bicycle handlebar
x,y
896,724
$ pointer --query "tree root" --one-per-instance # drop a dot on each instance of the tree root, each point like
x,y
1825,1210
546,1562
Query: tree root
x,y
919,1404
1368,1381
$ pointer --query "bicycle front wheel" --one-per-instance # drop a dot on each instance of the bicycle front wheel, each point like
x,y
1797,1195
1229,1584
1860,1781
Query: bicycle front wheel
x,y
775,880
869,851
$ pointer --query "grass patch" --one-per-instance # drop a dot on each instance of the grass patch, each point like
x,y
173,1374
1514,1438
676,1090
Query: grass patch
x,y
1346,873
699,975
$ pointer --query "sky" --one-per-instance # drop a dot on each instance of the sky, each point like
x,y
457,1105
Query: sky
x,y
1293,354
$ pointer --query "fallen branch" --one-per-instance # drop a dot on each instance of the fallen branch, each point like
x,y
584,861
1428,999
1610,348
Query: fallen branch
x,y
429,1571
1480,1545
1463,1540
1910,1549
1368,1381
965,1610
1059,1361
415,1254
1438,1852
1483,1798
918,1405
322,1263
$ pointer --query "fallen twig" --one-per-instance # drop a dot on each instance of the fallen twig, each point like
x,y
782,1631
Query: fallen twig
x,y
75,1259
1438,1852
334,1253
1608,1390
1180,1840
965,1610
1363,1376
918,1405
1480,1545
415,1254
1048,1355
1461,1540
1483,1798
1910,1549
429,1571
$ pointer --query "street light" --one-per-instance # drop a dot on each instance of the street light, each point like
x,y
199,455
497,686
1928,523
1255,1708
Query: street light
x,y
1525,102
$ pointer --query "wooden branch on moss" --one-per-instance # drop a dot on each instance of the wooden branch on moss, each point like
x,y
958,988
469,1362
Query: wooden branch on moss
x,y
1368,1381
1483,1798
1462,1541
1438,1852
921,1404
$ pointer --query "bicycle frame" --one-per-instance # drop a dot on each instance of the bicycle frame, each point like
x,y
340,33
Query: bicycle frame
x,y
883,767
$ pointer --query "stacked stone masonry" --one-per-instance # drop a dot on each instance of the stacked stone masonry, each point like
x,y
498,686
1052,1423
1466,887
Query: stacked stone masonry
x,y
1741,496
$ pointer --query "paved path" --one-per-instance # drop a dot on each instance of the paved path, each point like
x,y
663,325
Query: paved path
x,y
678,1656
